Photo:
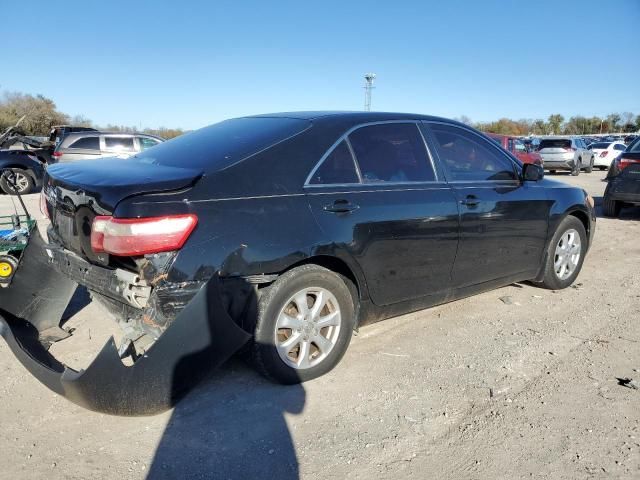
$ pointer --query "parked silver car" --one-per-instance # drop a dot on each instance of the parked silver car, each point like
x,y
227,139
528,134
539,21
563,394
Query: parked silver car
x,y
566,153
92,145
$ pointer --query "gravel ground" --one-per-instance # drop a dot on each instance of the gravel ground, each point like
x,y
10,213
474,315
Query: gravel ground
x,y
474,389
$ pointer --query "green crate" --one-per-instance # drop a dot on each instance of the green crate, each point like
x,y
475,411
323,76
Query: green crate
x,y
14,246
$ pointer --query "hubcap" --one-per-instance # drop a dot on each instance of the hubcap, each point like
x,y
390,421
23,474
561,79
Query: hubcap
x,y
307,327
21,181
567,254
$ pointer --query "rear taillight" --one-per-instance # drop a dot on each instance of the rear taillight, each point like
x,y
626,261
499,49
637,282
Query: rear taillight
x,y
130,237
43,204
625,162
569,149
57,154
603,154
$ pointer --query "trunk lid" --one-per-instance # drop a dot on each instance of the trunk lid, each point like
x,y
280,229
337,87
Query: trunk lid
x,y
106,182
76,192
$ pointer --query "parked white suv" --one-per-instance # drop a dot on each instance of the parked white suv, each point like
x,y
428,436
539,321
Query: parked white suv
x,y
565,153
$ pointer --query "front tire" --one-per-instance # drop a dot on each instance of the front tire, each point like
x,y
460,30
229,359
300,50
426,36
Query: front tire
x,y
23,180
565,254
305,322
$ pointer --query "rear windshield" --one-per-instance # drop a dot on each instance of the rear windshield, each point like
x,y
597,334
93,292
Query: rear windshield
x,y
602,145
555,143
222,144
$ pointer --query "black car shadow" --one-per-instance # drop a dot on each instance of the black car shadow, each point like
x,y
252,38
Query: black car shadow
x,y
81,298
232,426
626,213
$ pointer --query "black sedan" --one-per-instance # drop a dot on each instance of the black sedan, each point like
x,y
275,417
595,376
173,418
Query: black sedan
x,y
281,233
623,181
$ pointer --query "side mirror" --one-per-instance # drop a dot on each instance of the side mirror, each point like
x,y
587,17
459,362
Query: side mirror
x,y
532,172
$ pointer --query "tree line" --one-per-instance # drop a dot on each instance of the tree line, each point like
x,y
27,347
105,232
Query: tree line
x,y
41,114
556,124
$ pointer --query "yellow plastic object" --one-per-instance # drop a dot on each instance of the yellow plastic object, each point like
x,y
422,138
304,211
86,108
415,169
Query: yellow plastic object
x,y
6,269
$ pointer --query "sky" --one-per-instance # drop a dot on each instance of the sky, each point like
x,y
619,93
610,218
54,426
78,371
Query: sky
x,y
189,64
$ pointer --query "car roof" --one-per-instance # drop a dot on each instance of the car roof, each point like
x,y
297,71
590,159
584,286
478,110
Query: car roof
x,y
361,117
118,134
560,137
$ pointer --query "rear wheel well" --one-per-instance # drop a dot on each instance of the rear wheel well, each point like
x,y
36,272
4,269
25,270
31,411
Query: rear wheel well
x,y
335,265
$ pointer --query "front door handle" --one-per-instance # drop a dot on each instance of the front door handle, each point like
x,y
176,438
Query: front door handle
x,y
470,201
341,206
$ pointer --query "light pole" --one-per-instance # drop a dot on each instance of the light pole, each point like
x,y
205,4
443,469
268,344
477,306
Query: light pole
x,y
368,86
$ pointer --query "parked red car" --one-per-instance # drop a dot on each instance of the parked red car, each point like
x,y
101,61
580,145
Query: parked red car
x,y
517,147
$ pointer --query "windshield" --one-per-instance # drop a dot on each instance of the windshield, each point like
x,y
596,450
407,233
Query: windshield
x,y
222,144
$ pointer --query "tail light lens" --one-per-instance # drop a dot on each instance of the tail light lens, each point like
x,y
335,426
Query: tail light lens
x,y
625,162
603,154
130,237
570,149
57,154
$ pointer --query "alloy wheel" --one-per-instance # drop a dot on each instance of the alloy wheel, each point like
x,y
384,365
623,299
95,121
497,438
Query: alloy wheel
x,y
567,254
19,182
307,327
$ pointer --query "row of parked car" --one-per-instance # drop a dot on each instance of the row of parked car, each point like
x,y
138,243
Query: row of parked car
x,y
24,159
569,153
576,154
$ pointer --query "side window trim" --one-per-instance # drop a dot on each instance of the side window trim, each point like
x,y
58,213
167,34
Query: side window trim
x,y
353,158
327,154
345,136
498,148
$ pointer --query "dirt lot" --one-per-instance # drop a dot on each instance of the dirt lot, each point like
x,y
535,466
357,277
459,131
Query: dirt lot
x,y
473,389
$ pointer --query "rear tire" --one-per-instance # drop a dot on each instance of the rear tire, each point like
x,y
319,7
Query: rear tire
x,y
290,346
576,169
589,169
24,181
610,208
562,267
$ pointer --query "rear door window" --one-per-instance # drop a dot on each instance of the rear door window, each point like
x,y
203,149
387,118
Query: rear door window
x,y
119,144
87,143
391,152
619,147
469,157
338,167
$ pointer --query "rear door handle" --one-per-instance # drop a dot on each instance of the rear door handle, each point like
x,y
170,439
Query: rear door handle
x,y
470,201
341,206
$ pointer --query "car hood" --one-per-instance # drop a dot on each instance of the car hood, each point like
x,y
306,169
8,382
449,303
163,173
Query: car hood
x,y
108,181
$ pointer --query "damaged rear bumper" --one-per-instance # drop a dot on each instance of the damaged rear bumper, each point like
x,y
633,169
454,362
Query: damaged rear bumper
x,y
201,337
